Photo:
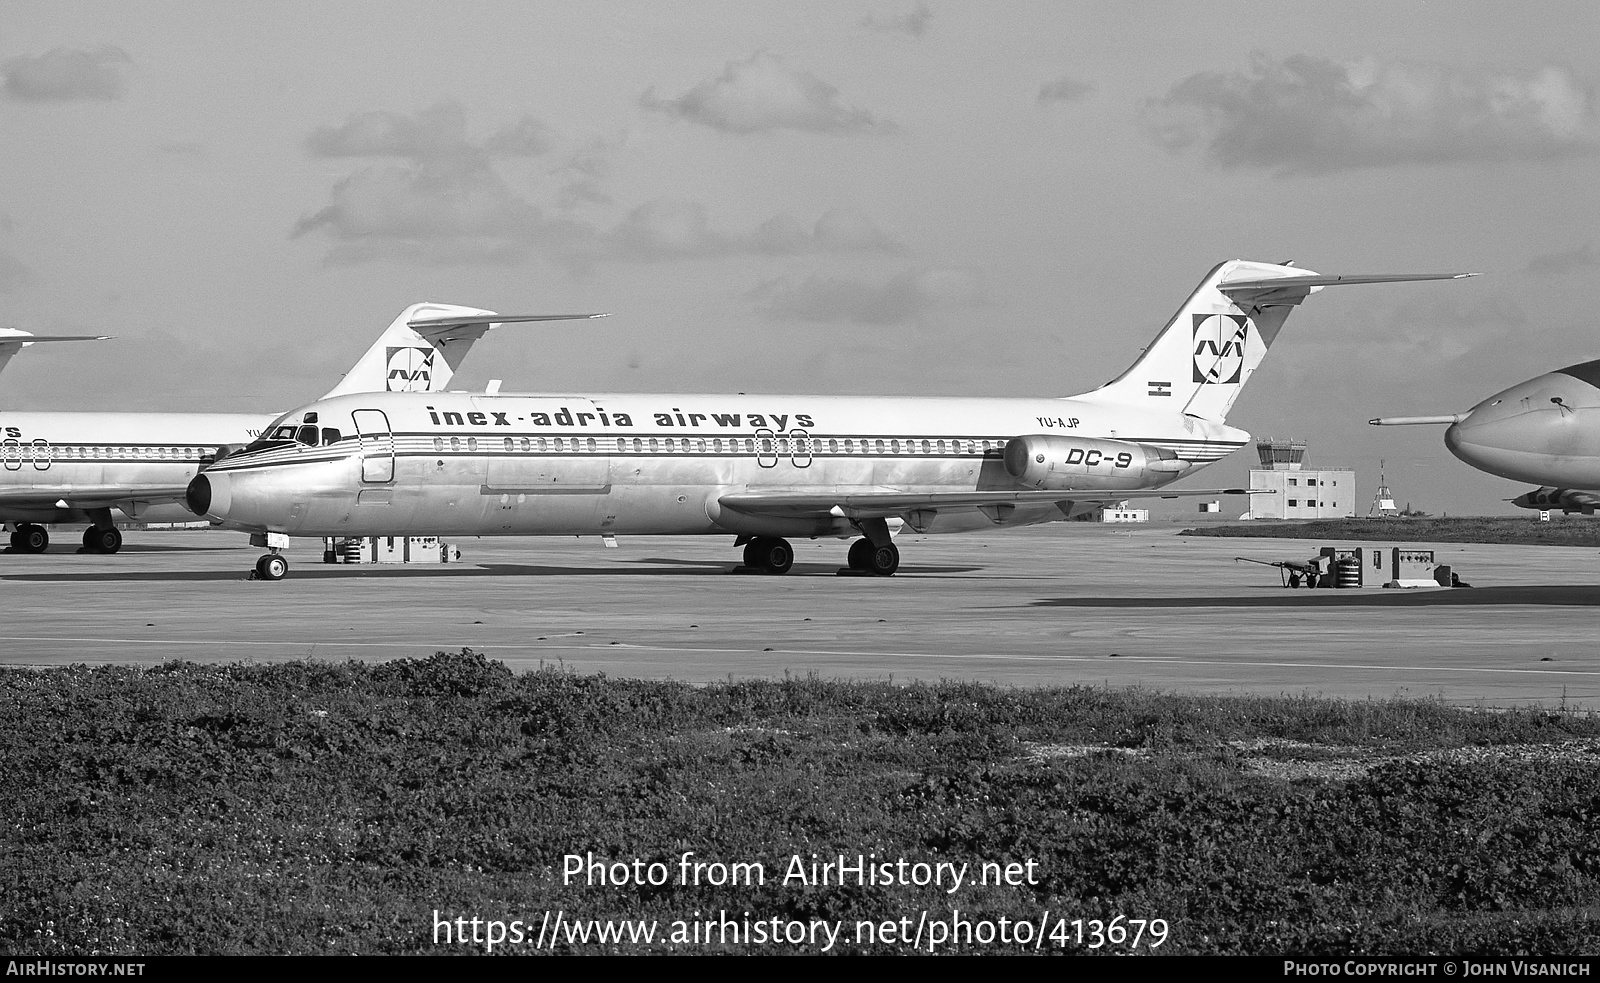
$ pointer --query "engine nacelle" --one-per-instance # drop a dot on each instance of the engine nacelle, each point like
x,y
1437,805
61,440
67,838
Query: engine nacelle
x,y
1048,462
1566,499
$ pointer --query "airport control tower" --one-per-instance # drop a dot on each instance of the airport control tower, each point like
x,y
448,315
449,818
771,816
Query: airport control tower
x,y
1301,493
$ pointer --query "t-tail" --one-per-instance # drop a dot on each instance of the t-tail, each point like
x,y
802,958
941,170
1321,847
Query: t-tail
x,y
1201,360
422,349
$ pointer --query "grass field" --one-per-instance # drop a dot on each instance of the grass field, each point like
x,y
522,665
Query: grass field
x,y
315,807
1514,530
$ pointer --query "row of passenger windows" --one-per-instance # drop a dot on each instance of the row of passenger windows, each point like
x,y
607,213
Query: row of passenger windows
x,y
732,445
61,453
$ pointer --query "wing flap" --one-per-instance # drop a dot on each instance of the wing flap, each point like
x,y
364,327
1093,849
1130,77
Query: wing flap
x,y
884,504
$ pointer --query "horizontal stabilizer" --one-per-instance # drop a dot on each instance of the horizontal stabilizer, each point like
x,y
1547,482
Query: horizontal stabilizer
x,y
13,340
1412,421
436,327
1318,280
28,339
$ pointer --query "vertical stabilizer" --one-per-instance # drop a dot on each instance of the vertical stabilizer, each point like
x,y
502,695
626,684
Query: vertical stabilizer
x,y
403,359
1201,360
422,349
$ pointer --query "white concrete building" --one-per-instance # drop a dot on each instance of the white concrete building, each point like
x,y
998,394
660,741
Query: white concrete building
x,y
1300,492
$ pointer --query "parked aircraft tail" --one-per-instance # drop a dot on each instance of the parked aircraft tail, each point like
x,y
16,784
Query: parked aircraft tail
x,y
13,340
423,347
1201,360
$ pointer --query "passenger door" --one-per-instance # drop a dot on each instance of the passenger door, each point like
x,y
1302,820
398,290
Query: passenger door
x,y
377,446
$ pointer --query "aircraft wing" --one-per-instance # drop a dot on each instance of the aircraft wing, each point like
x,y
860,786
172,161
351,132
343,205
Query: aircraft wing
x,y
883,504
86,496
474,325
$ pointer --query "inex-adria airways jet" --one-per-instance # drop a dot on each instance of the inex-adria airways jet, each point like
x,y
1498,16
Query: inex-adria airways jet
x,y
764,468
1545,430
78,466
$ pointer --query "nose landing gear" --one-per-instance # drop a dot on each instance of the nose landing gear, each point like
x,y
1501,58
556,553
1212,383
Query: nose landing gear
x,y
271,566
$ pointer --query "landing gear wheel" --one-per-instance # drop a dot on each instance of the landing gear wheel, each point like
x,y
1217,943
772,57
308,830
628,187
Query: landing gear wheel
x,y
272,566
885,559
772,555
30,538
97,540
860,556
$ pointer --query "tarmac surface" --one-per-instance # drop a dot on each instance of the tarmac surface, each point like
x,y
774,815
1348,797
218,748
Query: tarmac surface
x,y
1070,603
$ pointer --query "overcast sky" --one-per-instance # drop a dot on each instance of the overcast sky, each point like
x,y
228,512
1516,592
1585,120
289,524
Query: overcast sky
x,y
933,198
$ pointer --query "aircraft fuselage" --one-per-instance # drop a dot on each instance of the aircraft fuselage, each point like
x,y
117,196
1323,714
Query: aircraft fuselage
x,y
663,464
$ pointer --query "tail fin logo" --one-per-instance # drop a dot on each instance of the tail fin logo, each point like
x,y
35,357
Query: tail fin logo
x,y
1219,347
410,370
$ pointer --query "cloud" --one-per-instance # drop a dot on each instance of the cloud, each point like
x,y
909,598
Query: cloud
x,y
453,211
66,74
396,210
1307,115
444,200
1571,261
1064,89
192,149
435,132
902,298
680,229
14,274
761,94
585,171
914,23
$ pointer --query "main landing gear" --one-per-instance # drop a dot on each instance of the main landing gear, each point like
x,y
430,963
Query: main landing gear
x,y
769,554
30,538
881,560
97,540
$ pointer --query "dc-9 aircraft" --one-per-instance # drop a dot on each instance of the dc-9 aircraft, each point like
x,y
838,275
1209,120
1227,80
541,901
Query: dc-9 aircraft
x,y
763,468
1545,430
77,466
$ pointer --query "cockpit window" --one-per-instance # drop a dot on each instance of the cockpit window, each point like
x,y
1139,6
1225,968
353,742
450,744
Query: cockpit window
x,y
307,435
279,432
330,435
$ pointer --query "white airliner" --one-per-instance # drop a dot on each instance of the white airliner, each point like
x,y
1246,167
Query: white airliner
x,y
1545,430
78,466
762,468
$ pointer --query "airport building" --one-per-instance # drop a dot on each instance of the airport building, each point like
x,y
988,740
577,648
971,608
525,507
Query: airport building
x,y
1299,492
1120,512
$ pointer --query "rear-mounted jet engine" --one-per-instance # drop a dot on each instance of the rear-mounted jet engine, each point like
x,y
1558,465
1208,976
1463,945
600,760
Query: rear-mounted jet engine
x,y
1047,462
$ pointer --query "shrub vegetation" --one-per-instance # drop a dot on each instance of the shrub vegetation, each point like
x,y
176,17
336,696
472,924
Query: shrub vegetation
x,y
1510,530
311,807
